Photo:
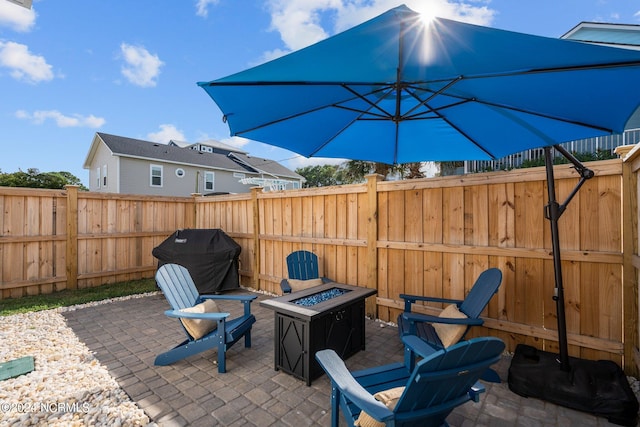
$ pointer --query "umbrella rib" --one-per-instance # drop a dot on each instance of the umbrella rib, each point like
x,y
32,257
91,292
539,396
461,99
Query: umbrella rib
x,y
355,110
435,110
521,110
425,102
321,146
281,119
382,85
302,113
463,100
383,117
365,99
555,69
463,133
546,116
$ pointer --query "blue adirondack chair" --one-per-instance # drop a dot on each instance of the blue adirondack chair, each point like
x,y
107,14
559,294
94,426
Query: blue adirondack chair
x,y
301,265
483,289
181,293
433,388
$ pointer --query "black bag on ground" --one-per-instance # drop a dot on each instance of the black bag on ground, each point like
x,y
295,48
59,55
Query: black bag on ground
x,y
210,255
597,387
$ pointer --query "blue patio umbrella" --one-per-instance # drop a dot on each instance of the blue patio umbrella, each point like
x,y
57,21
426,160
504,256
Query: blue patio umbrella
x,y
413,90
400,89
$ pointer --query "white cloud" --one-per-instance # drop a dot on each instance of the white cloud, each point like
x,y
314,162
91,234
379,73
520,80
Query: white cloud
x,y
304,22
75,120
165,134
141,67
23,64
202,7
236,141
299,21
16,17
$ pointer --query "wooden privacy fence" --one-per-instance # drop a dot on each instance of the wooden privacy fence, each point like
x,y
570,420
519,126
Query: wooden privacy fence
x,y
430,236
52,240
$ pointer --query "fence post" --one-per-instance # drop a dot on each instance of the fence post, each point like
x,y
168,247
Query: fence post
x,y
194,212
72,236
372,240
256,236
629,197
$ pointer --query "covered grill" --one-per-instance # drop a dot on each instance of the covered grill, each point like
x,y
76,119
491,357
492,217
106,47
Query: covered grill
x,y
210,255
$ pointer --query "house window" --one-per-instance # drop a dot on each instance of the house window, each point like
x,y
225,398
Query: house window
x,y
208,181
104,175
98,177
156,176
180,172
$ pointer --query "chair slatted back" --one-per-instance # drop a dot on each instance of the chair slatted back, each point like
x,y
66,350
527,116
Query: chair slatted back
x,y
177,285
302,265
444,378
483,289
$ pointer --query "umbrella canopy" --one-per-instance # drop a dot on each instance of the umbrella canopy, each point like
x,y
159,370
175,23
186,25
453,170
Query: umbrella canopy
x,y
413,90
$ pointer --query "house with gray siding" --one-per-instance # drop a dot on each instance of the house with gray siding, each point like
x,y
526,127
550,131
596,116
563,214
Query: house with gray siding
x,y
124,165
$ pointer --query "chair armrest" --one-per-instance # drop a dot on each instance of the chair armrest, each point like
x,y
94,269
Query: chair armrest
x,y
417,317
418,346
230,297
411,299
285,286
342,379
187,315
244,299
415,298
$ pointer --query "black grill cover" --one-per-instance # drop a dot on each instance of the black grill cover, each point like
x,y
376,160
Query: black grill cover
x,y
210,255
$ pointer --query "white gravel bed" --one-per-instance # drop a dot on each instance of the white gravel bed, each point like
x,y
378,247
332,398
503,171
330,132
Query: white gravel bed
x,y
68,387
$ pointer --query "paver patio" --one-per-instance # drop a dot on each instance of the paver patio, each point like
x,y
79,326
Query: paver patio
x,y
127,335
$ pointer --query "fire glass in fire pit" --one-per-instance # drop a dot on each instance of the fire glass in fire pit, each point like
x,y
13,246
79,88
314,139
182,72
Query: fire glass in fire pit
x,y
314,299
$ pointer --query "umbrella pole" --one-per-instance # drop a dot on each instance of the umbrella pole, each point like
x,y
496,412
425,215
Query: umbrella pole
x,y
553,212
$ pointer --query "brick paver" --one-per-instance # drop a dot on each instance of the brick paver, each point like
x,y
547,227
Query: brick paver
x,y
127,335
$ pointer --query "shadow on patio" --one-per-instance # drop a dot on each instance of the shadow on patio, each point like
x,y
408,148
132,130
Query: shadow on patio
x,y
127,335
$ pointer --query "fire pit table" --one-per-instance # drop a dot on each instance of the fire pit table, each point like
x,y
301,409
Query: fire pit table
x,y
330,315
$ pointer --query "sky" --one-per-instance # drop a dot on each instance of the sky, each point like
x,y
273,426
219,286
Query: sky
x,y
71,68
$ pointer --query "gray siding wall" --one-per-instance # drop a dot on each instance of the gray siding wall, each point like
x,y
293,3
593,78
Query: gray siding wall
x,y
101,159
135,178
225,181
634,120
